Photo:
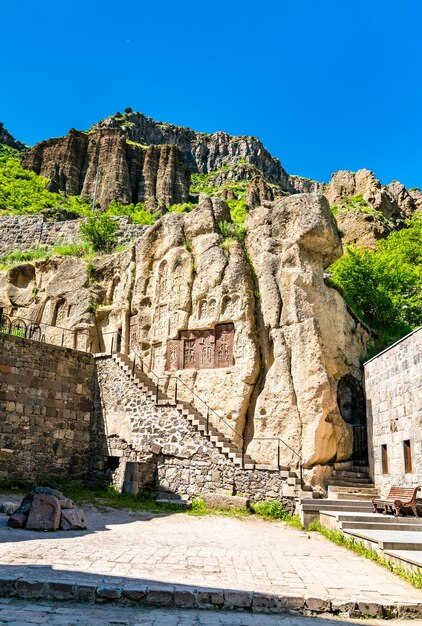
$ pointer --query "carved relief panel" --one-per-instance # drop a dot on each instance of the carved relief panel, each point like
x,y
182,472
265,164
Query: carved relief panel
x,y
224,345
202,349
133,331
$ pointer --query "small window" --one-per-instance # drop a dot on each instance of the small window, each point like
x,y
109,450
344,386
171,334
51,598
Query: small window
x,y
112,463
384,458
407,457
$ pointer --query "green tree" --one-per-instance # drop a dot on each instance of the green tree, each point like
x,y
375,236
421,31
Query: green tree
x,y
384,286
99,231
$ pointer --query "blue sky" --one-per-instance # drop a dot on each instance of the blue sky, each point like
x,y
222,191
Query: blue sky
x,y
324,84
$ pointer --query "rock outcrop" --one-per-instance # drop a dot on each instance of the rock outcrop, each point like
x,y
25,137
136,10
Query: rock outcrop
x,y
8,140
258,192
204,153
127,172
365,210
259,336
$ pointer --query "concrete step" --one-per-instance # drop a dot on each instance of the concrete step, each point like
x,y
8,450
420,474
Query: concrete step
x,y
358,525
389,539
368,517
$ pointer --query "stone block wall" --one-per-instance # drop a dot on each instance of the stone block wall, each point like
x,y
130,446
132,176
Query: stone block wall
x,y
169,453
21,232
45,410
393,384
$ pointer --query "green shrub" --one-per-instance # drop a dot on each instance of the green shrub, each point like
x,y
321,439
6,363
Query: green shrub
x,y
100,233
384,286
182,208
238,210
198,505
270,509
233,231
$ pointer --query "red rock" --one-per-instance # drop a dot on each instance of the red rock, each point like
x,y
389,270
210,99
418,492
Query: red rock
x,y
17,520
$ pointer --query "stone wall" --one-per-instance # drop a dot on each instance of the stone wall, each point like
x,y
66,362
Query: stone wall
x,y
169,453
45,410
393,382
21,232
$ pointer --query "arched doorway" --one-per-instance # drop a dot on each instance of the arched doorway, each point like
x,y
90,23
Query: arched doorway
x,y
352,407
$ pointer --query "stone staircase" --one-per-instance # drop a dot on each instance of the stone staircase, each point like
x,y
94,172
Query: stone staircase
x,y
348,508
197,420
350,482
349,489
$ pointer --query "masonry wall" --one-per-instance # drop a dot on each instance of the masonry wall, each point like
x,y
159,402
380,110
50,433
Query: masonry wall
x,y
393,384
20,232
169,453
45,410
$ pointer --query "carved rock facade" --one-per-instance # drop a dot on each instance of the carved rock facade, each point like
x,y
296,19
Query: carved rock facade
x,y
274,338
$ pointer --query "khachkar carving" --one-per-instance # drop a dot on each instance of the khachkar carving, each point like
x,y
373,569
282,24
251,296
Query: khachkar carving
x,y
207,308
133,331
202,349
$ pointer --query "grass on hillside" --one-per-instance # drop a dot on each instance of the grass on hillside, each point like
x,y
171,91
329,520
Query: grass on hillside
x,y
34,254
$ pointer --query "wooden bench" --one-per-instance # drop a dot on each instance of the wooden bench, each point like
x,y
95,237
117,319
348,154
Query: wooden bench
x,y
398,498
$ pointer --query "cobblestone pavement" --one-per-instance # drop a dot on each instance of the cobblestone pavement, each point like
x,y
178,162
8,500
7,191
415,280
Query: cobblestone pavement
x,y
246,554
21,613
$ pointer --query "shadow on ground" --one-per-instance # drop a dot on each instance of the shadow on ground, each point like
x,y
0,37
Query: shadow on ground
x,y
42,582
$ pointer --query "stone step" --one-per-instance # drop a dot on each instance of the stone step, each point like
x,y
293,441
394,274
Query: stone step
x,y
348,506
380,526
360,468
350,496
269,468
348,474
351,489
195,417
343,465
350,482
349,517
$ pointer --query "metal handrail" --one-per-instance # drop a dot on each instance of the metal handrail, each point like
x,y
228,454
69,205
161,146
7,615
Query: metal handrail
x,y
31,324
243,439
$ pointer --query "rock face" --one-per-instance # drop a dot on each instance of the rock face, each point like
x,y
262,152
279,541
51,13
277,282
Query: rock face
x,y
128,172
258,336
258,192
365,210
8,140
202,152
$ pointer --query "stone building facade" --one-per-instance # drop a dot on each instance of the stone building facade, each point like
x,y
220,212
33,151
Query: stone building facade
x,y
393,383
45,410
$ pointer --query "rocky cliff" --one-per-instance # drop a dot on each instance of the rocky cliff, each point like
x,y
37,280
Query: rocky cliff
x,y
8,140
251,327
128,173
367,211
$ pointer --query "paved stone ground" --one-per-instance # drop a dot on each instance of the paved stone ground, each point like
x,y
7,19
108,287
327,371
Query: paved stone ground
x,y
249,554
21,613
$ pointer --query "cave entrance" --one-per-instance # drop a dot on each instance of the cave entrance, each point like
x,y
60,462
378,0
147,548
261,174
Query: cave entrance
x,y
352,407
